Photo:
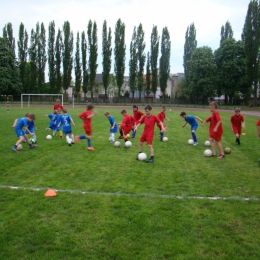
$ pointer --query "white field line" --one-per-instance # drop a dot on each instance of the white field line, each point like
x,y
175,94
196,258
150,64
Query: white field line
x,y
132,195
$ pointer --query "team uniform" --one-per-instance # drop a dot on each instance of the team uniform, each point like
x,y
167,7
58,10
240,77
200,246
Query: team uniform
x,y
67,130
86,121
113,130
258,123
215,118
59,124
137,116
192,121
31,128
21,123
148,133
127,124
57,106
236,123
53,124
210,126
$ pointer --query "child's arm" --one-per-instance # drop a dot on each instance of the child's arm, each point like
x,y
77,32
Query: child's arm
x,y
15,122
206,121
71,120
199,119
30,133
167,119
231,125
92,114
216,127
184,124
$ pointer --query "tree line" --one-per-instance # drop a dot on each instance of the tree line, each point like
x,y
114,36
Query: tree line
x,y
26,73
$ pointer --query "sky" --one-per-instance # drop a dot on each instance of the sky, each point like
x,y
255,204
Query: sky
x,y
207,15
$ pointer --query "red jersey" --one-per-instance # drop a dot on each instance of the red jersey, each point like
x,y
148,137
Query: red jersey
x,y
86,121
215,118
128,121
258,123
236,120
56,106
149,122
161,115
210,124
137,115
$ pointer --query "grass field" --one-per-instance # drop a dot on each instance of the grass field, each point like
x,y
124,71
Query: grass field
x,y
111,206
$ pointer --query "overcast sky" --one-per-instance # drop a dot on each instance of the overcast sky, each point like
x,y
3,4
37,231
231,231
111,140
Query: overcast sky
x,y
207,15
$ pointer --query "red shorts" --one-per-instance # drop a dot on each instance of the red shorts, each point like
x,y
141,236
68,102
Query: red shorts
x,y
126,130
146,138
160,126
88,130
215,136
236,129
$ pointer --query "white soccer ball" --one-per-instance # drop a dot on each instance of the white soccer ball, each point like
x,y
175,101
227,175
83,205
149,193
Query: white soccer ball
x,y
142,156
165,139
128,144
32,141
207,143
48,137
190,141
117,143
208,153
19,147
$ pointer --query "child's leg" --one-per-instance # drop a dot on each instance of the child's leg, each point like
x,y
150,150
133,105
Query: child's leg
x,y
72,137
220,147
68,139
212,146
112,135
194,136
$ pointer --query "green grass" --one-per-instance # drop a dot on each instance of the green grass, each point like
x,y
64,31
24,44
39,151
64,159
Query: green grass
x,y
110,206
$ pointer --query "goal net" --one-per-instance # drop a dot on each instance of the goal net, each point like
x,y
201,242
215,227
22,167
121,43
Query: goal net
x,y
27,100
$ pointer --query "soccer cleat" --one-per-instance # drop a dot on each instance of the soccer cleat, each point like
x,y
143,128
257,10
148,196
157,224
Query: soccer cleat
x,y
120,137
151,160
238,141
221,156
69,144
196,143
14,149
91,149
76,139
214,154
32,146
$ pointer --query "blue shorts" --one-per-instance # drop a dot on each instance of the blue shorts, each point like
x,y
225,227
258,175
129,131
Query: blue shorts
x,y
114,130
19,132
66,132
194,127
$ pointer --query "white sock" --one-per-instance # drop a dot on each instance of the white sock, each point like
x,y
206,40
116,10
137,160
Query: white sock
x,y
72,137
34,137
113,137
68,139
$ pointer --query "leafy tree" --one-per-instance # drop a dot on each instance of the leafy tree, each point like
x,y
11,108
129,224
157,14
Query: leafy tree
x,y
154,58
226,32
77,68
106,52
92,48
32,60
8,35
165,60
148,75
58,60
22,55
9,72
119,52
67,53
230,61
202,72
84,48
140,44
133,63
251,37
51,57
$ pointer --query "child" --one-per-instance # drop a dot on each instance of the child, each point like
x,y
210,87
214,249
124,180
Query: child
x,y
113,126
193,123
58,120
21,124
66,121
126,125
53,123
137,116
147,136
161,115
86,117
58,105
216,130
236,122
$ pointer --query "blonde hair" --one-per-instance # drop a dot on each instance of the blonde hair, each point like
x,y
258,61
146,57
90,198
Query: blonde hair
x,y
237,109
214,104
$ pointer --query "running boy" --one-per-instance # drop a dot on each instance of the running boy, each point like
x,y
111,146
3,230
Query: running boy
x,y
193,123
126,125
58,105
147,136
161,115
137,116
86,118
113,126
236,122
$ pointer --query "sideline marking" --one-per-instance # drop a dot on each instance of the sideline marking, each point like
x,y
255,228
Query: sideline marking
x,y
131,195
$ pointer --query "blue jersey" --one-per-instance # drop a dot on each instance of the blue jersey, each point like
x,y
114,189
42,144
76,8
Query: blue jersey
x,y
22,122
192,121
30,127
112,121
58,122
53,121
65,120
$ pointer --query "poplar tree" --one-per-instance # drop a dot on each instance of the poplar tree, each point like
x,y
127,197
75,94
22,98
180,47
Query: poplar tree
x,y
148,75
165,60
106,52
32,60
226,32
58,60
51,56
140,44
92,48
133,64
85,76
154,58
67,52
119,52
77,67
8,36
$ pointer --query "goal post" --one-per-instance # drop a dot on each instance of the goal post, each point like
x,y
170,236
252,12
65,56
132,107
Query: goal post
x,y
7,99
40,99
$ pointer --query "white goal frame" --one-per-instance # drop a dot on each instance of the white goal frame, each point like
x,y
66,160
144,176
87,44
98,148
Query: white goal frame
x,y
29,95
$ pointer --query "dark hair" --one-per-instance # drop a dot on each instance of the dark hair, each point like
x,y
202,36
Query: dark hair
x,y
31,116
107,113
148,107
90,106
123,111
65,110
183,113
135,106
164,107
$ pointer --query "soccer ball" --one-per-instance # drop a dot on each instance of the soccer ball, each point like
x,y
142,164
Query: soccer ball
x,y
207,143
208,153
128,135
227,150
165,139
142,156
190,141
117,143
19,147
128,144
48,137
32,141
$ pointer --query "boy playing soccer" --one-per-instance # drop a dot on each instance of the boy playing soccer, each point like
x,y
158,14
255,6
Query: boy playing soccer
x,y
193,123
137,116
236,122
126,125
52,125
147,136
58,105
22,123
161,115
113,126
86,117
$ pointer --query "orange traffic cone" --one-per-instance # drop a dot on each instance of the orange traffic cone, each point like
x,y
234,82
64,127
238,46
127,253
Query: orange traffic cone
x,y
50,193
